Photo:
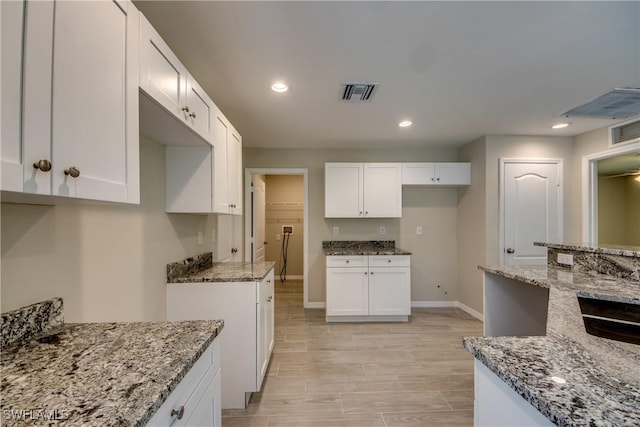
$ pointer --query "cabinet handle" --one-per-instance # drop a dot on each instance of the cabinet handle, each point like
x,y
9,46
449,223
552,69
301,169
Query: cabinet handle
x,y
366,213
178,413
185,108
234,250
44,165
347,261
73,171
360,213
372,273
192,115
437,179
511,251
389,260
269,299
432,179
365,273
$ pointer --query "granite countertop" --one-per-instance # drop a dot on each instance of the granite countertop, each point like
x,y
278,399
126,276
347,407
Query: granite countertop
x,y
227,272
627,251
602,376
357,247
108,374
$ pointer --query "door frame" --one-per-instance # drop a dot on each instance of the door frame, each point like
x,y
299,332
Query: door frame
x,y
501,185
590,189
247,218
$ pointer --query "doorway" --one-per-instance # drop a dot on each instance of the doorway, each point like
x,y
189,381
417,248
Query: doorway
x,y
276,223
530,209
590,187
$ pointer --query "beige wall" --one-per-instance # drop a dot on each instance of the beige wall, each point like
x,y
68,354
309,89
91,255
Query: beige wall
x,y
285,206
108,262
633,210
612,223
431,265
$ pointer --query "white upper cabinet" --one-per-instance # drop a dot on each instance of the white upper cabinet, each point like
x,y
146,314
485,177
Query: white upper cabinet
x,y
79,112
12,15
227,190
363,190
167,82
441,173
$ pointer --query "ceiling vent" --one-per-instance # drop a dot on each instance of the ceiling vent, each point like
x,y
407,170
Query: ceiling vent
x,y
618,103
358,92
626,132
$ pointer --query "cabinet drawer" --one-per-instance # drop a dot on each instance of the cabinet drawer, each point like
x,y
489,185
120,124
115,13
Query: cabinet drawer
x,y
346,261
389,261
198,376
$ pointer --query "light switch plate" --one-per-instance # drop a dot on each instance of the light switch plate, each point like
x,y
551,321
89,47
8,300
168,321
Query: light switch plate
x,y
419,230
336,230
382,231
200,237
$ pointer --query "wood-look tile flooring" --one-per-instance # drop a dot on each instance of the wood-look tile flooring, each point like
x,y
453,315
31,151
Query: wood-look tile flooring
x,y
363,374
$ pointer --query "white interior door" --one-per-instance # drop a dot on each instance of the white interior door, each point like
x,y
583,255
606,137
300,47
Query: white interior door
x,y
532,209
258,193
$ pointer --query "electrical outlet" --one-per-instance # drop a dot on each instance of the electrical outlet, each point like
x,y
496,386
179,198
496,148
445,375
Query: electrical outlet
x,y
200,237
382,230
277,237
336,230
565,259
419,230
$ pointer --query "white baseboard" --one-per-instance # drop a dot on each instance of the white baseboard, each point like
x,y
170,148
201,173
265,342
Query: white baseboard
x,y
441,304
315,305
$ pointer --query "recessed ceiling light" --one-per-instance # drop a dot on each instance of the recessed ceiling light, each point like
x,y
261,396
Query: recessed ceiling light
x,y
279,87
560,125
405,123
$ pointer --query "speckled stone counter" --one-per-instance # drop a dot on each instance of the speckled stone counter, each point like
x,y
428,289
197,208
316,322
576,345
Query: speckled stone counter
x,y
227,272
602,376
107,374
357,247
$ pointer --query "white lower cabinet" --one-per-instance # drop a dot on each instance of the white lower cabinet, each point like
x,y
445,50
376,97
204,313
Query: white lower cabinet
x,y
368,288
496,404
247,340
196,401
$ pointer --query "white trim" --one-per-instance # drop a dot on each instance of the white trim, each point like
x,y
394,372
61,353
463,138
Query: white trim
x,y
305,244
503,161
590,188
448,304
293,277
314,305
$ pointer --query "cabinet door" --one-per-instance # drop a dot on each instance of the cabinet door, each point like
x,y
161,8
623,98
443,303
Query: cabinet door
x,y
221,132
265,328
343,190
389,291
347,292
200,109
452,173
207,411
95,101
12,15
234,171
162,75
418,173
382,190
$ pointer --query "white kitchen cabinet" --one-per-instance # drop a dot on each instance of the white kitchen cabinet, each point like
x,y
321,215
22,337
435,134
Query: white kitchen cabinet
x,y
228,166
79,101
363,190
167,82
442,173
12,16
496,404
247,342
196,401
374,288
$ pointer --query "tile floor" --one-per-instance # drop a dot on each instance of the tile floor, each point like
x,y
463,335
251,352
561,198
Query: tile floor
x,y
363,374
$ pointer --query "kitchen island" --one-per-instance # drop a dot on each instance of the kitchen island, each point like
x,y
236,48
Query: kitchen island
x,y
108,374
565,374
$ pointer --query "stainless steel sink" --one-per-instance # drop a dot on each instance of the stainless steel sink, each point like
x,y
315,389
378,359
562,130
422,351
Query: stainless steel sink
x,y
615,320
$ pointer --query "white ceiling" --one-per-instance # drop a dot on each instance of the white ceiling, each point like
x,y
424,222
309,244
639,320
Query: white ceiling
x,y
459,70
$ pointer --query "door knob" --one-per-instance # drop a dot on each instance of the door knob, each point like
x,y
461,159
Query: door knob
x,y
44,165
73,171
511,251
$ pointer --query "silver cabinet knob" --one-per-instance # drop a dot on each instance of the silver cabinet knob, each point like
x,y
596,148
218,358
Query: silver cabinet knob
x,y
347,261
43,165
192,115
389,260
234,250
73,171
185,109
365,273
437,179
511,251
269,299
178,413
